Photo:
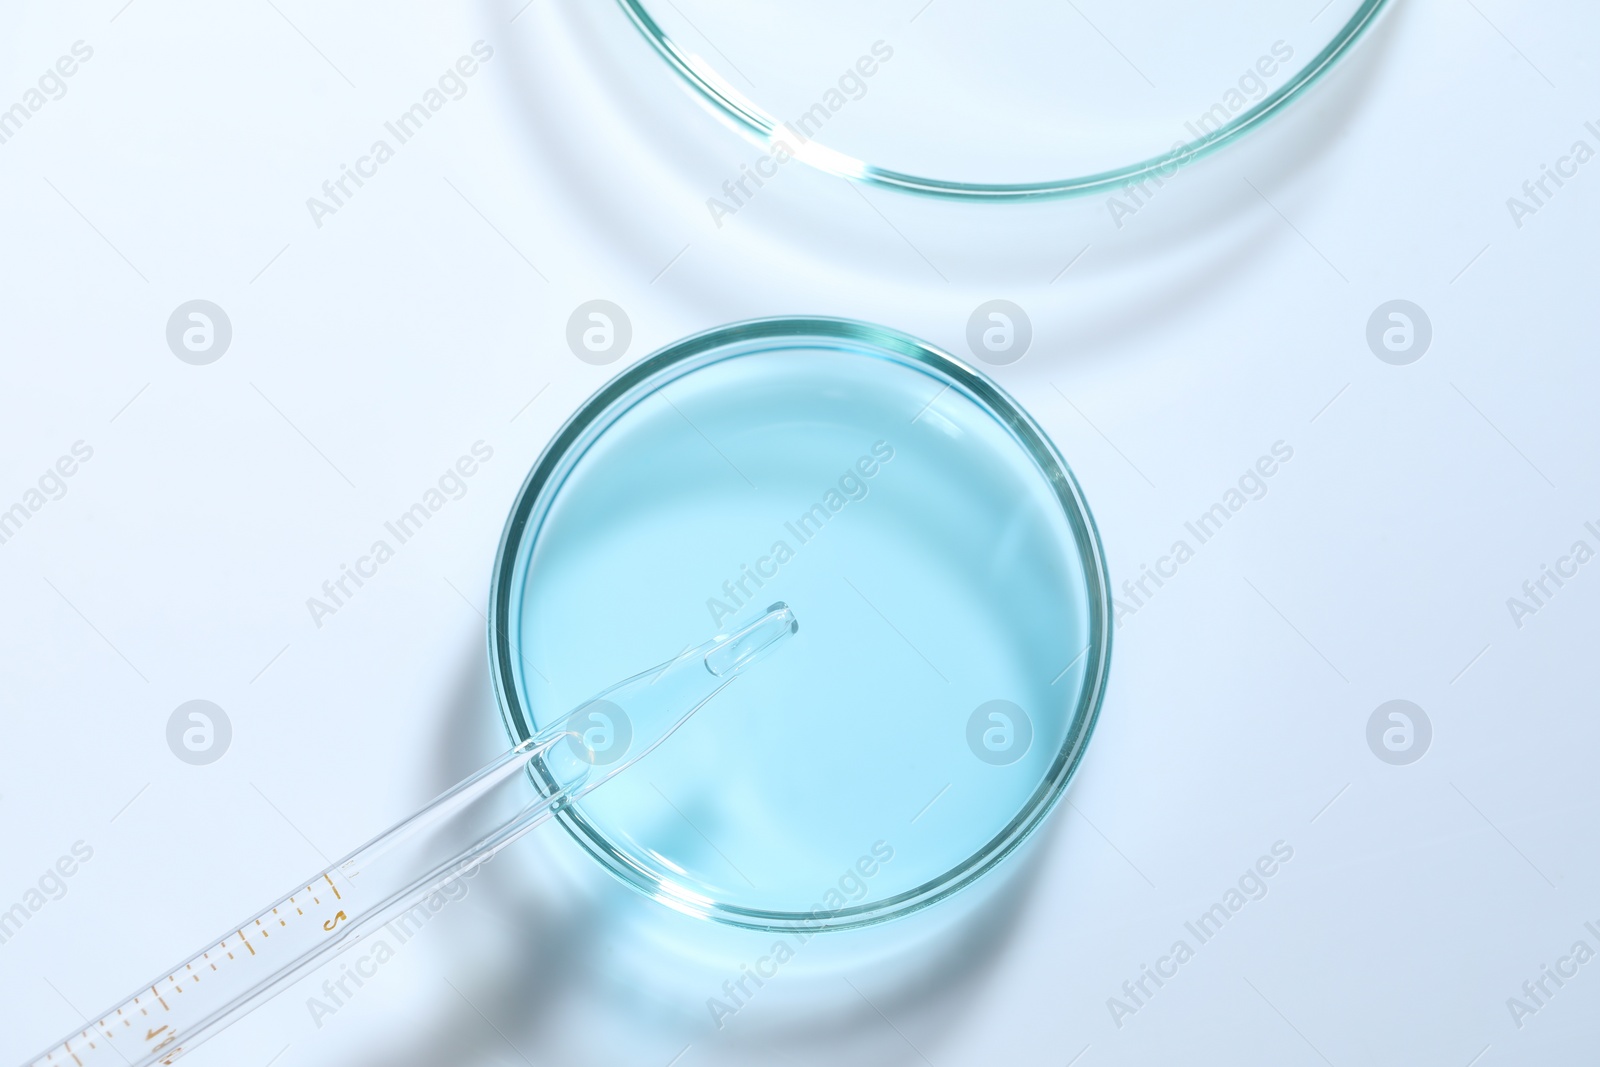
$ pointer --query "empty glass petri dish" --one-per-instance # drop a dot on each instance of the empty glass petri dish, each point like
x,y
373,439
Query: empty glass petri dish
x,y
949,586
985,100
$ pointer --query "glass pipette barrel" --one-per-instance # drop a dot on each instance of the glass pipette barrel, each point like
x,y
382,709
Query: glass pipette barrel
x,y
385,884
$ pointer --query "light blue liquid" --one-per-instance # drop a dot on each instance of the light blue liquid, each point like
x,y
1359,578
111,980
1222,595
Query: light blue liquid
x,y
947,578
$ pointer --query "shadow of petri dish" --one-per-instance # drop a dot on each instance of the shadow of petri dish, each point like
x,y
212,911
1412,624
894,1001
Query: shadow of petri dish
x,y
986,101
954,623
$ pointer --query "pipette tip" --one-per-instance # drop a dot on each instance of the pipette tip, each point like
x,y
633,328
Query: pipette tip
x,y
745,645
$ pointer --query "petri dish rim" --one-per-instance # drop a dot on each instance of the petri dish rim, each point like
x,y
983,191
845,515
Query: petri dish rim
x,y
758,126
695,352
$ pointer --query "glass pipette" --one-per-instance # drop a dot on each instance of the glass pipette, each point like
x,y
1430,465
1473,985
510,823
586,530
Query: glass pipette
x,y
387,884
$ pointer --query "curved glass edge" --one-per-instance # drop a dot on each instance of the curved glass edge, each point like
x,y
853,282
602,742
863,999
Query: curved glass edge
x,y
758,126
568,445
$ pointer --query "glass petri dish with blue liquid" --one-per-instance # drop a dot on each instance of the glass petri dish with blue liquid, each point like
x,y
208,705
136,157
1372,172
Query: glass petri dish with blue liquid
x,y
954,625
